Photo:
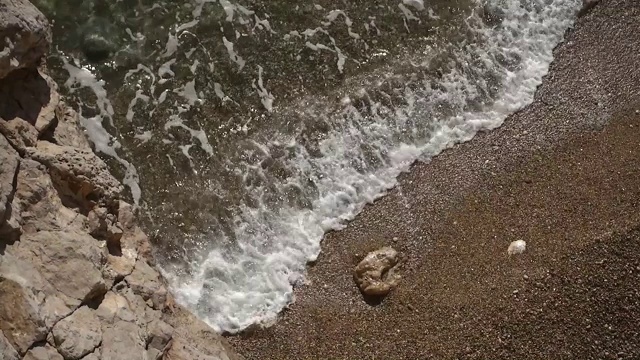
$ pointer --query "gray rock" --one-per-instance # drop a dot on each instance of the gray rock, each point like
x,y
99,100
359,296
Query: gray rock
x,y
115,307
80,171
9,161
50,308
24,35
78,334
182,349
103,225
143,313
160,334
122,340
48,109
134,246
133,240
7,352
71,262
97,218
10,228
19,133
194,340
93,356
126,216
154,354
68,131
46,352
19,318
122,305
118,267
37,201
138,242
31,104
375,274
145,281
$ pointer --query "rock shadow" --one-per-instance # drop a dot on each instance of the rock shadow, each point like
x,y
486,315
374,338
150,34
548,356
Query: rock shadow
x,y
6,240
373,300
24,94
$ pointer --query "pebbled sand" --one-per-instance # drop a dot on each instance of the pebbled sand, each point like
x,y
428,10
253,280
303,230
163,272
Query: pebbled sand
x,y
563,174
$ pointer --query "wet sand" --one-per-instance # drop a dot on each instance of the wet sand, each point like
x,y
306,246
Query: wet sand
x,y
563,174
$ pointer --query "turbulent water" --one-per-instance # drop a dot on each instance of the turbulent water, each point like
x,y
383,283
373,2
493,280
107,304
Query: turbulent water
x,y
247,129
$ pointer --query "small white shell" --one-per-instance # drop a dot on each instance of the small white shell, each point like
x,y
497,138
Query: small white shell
x,y
517,247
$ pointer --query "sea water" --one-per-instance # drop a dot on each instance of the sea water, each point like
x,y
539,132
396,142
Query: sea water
x,y
244,130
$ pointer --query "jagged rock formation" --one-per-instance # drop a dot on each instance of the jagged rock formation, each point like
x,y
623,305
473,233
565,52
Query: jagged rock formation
x,y
76,273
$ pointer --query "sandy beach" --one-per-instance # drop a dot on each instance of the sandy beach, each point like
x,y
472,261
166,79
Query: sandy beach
x,y
561,174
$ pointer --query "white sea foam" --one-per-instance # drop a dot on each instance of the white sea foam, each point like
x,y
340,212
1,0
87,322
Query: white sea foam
x,y
233,55
81,77
232,289
266,98
417,4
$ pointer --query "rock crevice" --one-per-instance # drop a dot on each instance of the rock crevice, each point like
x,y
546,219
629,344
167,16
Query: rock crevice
x,y
76,274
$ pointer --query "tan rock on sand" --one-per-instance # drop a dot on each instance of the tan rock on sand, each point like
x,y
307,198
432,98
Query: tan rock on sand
x,y
375,274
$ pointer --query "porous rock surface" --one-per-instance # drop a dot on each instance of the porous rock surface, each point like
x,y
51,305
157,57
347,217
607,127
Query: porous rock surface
x,y
76,274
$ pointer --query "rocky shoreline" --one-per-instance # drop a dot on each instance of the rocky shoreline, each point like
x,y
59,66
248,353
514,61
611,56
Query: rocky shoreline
x,y
77,279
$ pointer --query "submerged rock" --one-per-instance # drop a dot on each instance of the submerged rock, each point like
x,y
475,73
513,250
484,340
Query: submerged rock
x,y
375,274
96,47
98,40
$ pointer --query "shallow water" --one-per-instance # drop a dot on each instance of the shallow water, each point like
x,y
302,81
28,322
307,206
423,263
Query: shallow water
x,y
245,130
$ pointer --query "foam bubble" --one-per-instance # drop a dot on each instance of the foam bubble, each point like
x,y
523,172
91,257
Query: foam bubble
x,y
266,98
233,55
